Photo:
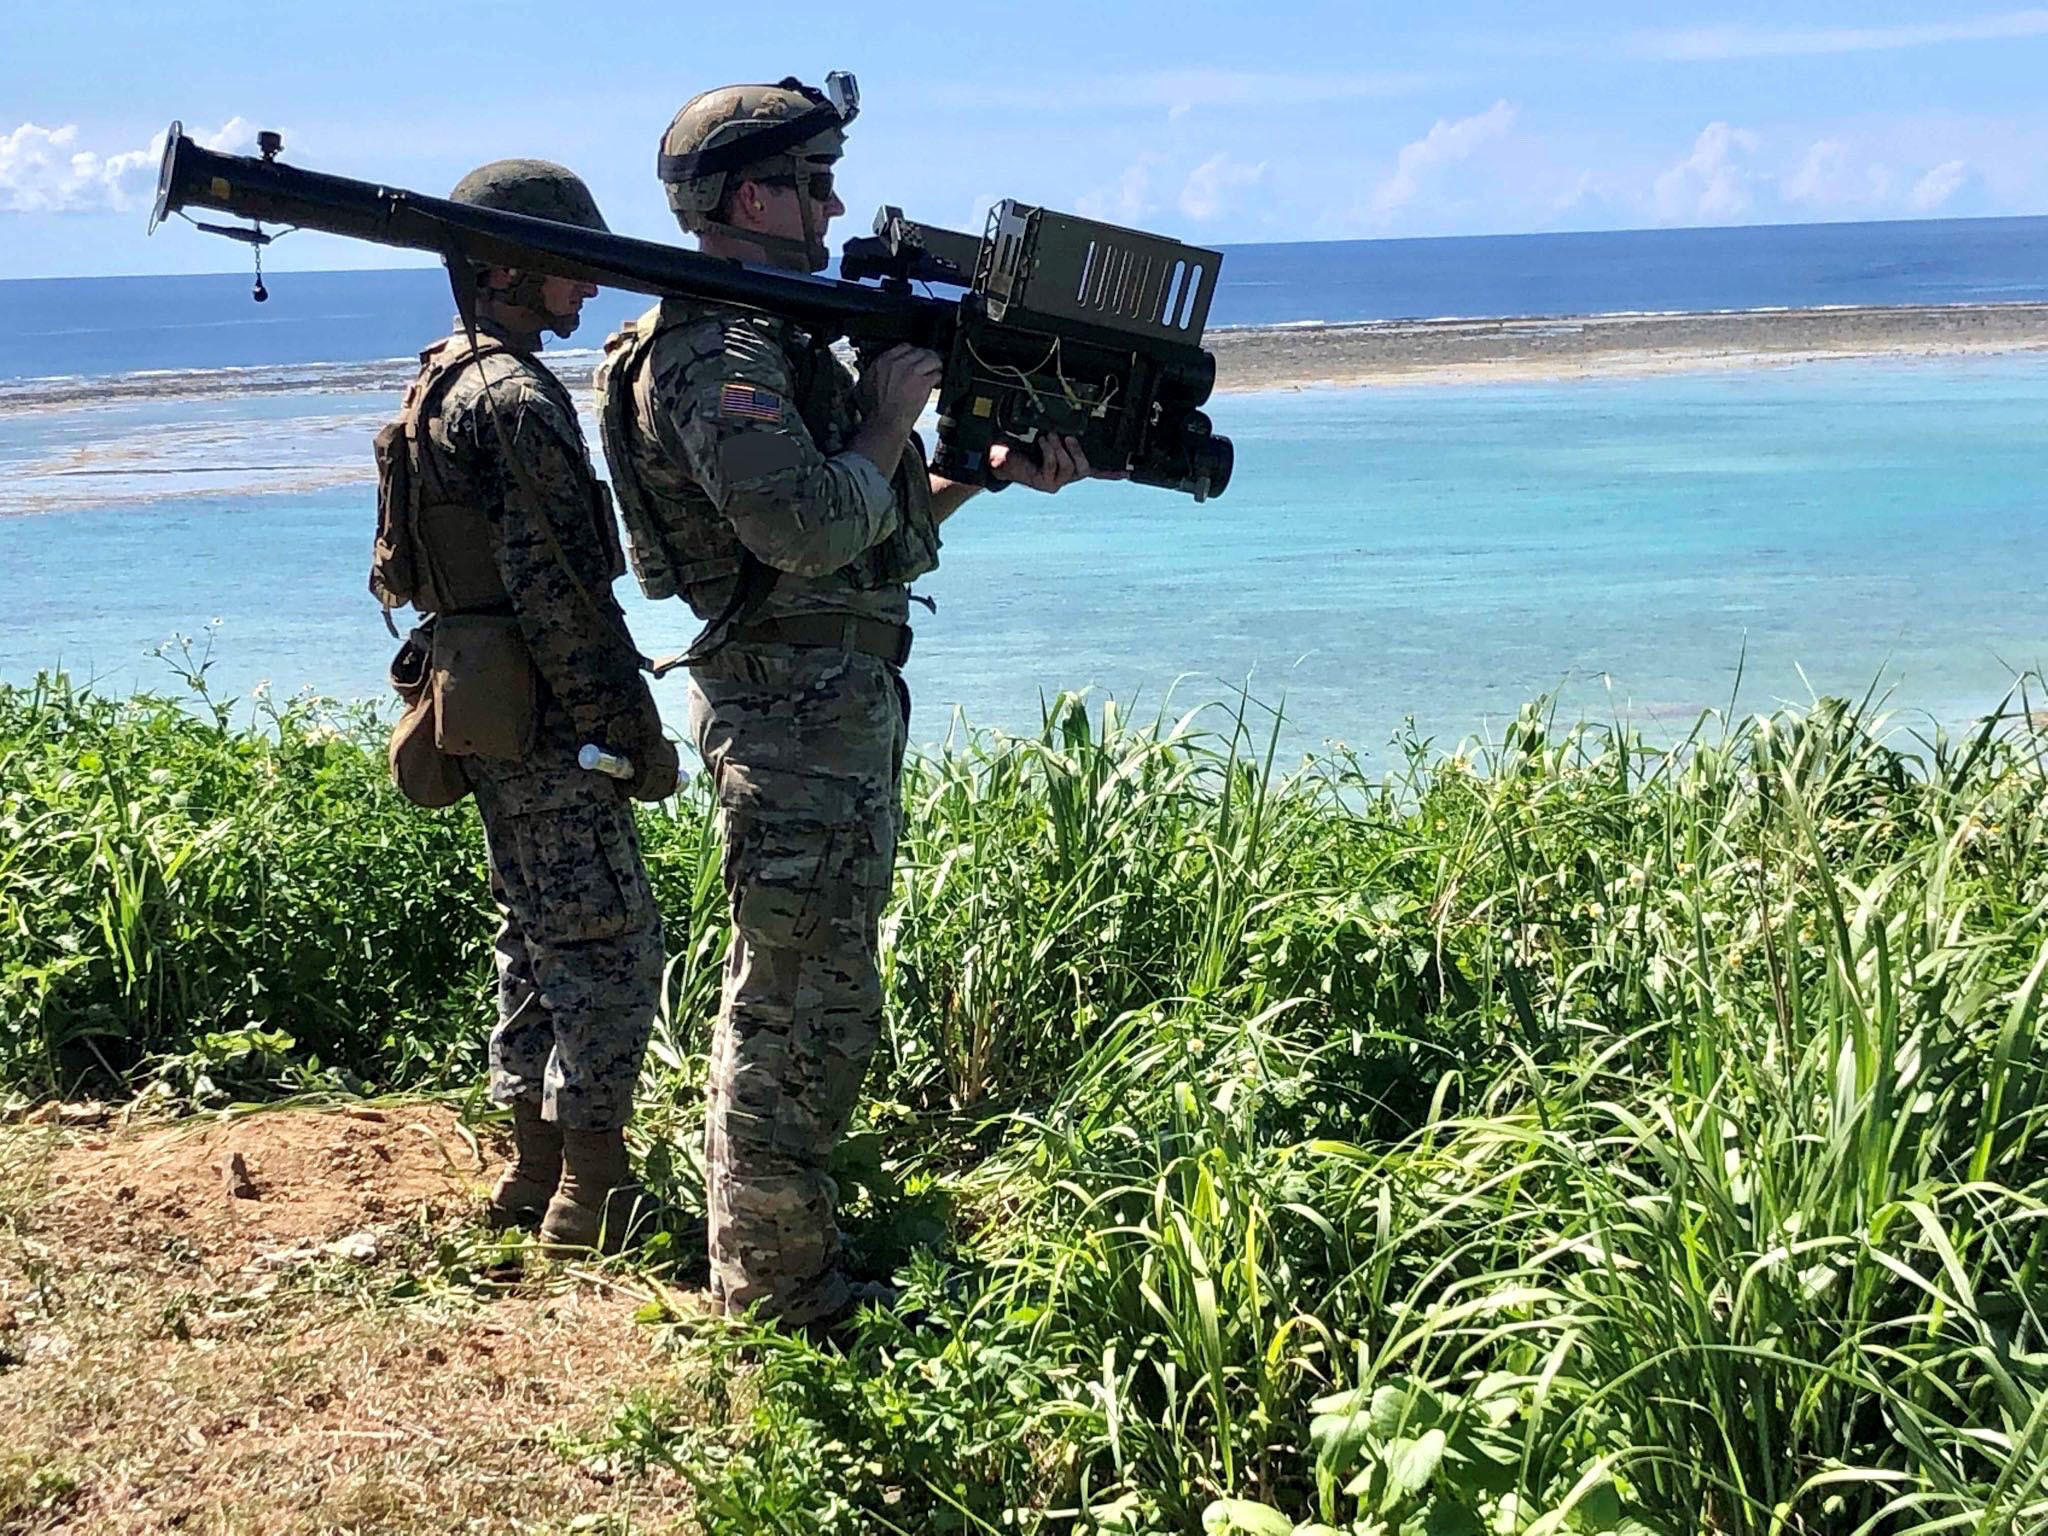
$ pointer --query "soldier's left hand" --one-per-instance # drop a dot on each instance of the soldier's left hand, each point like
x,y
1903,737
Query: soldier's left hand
x,y
657,770
1058,462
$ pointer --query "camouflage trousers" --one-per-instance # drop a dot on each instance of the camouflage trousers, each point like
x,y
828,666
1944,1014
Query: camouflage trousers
x,y
805,747
579,949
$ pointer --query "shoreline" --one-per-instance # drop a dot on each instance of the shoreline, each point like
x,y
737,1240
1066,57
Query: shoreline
x,y
1563,348
1305,355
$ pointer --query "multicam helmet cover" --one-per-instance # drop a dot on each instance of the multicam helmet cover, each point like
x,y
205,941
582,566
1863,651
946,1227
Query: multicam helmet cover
x,y
788,130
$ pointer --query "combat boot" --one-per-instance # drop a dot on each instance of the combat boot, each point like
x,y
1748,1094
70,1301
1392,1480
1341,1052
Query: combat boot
x,y
842,1324
523,1189
595,1203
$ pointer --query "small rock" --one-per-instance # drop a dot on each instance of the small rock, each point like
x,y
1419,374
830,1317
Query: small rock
x,y
234,1174
125,1192
358,1247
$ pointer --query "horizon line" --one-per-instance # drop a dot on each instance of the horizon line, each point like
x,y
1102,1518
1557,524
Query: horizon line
x,y
428,265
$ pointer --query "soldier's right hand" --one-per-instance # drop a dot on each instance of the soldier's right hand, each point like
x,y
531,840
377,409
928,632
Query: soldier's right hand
x,y
900,383
657,770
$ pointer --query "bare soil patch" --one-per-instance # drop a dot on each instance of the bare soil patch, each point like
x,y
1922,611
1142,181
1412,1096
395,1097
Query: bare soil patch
x,y
341,1347
242,1188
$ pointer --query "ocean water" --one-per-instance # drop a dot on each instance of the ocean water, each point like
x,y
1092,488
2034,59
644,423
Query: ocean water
x,y
120,325
1429,554
175,460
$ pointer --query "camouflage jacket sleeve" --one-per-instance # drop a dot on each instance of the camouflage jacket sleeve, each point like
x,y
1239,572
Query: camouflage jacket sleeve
x,y
544,519
726,409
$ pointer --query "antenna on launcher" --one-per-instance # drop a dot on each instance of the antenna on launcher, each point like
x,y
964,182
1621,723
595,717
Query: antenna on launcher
x,y
270,144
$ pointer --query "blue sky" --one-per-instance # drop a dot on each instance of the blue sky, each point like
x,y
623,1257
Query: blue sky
x,y
1222,123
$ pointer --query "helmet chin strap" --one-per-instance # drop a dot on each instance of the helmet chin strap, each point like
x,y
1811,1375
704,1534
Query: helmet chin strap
x,y
806,255
814,240
528,295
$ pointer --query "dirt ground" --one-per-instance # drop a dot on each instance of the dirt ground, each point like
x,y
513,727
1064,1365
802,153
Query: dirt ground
x,y
293,1321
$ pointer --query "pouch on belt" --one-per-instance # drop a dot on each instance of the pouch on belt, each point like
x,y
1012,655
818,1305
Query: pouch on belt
x,y
424,774
484,687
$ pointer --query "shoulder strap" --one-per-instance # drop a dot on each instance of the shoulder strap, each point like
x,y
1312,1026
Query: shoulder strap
x,y
611,622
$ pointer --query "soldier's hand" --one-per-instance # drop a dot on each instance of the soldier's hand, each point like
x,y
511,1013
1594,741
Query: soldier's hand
x,y
657,770
1058,462
900,383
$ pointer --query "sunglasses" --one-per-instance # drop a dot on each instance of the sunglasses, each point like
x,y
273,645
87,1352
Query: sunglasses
x,y
819,184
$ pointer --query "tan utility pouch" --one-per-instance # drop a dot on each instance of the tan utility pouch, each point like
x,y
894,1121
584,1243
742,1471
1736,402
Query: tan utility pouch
x,y
484,687
394,572
424,774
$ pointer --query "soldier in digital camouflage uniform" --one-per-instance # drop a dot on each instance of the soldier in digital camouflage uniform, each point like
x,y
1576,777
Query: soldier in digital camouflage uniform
x,y
511,520
790,508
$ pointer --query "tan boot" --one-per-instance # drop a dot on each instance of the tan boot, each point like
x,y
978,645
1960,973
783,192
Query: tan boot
x,y
523,1189
594,1205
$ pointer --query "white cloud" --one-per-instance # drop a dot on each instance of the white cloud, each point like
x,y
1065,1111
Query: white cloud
x,y
1209,183
1446,143
1130,199
1829,178
1718,43
1938,186
1711,185
43,170
1587,190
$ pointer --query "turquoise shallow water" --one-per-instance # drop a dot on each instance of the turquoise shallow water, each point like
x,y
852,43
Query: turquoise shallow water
x,y
1441,553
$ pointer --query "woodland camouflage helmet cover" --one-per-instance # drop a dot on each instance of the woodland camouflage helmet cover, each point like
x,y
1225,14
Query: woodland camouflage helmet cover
x,y
788,129
540,189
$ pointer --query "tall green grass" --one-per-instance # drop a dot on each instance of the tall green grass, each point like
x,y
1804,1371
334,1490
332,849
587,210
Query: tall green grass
x,y
243,908
1578,1137
1573,1135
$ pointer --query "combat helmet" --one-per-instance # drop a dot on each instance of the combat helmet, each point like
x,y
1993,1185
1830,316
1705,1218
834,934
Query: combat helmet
x,y
788,129
540,189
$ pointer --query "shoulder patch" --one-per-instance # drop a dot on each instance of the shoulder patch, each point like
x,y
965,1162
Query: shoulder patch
x,y
741,401
746,457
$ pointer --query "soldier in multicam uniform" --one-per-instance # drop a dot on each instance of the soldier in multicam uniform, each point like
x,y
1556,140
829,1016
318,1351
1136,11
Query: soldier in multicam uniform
x,y
517,546
790,508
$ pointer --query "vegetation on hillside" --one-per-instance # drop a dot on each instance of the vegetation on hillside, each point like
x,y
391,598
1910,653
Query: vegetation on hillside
x,y
1573,1136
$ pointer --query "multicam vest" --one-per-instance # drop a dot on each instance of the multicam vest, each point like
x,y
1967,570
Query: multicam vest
x,y
678,542
434,547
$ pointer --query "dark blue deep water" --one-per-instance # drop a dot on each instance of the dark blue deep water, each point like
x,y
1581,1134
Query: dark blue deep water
x,y
124,324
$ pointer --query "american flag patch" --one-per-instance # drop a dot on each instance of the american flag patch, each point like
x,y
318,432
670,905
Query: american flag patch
x,y
745,402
